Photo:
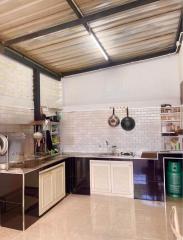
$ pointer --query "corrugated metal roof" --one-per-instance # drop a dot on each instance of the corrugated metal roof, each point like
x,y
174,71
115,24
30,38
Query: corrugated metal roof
x,y
18,18
146,29
88,6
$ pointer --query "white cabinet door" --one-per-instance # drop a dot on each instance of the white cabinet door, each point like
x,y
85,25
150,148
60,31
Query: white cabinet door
x,y
122,178
100,177
111,178
51,187
59,182
46,195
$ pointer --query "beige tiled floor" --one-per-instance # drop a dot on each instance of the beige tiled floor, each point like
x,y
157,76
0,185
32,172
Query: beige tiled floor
x,y
101,218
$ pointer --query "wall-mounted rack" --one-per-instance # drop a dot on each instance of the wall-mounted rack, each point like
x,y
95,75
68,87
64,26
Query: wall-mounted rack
x,y
171,127
54,128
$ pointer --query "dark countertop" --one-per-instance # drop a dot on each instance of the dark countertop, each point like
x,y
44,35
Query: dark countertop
x,y
35,164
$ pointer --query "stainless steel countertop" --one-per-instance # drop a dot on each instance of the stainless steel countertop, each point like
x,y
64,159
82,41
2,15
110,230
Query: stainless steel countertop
x,y
48,160
17,169
107,155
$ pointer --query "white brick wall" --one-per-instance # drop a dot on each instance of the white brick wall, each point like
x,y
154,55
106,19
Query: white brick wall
x,y
16,93
86,131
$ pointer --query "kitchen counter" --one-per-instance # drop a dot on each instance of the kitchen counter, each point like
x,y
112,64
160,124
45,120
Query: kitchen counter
x,y
154,156
19,195
106,156
35,164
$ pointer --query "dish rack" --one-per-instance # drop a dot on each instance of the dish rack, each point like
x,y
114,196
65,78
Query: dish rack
x,y
54,128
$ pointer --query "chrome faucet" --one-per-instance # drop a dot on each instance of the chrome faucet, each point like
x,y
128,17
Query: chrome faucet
x,y
107,145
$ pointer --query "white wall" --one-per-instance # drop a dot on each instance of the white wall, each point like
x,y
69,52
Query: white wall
x,y
147,83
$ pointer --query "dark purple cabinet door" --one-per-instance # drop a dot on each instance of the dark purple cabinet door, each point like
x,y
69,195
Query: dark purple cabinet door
x,y
147,183
80,174
11,199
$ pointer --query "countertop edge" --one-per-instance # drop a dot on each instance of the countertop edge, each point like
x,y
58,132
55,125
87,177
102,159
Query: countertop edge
x,y
92,156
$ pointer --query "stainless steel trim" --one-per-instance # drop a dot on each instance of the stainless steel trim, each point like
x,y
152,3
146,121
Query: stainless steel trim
x,y
23,202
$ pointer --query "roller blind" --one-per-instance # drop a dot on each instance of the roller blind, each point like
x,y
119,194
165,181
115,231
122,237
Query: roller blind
x,y
16,92
51,92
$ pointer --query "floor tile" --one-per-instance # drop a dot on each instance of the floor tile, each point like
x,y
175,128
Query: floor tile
x,y
93,217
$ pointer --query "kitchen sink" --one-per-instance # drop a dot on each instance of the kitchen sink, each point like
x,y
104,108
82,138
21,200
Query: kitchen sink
x,y
32,163
106,154
121,155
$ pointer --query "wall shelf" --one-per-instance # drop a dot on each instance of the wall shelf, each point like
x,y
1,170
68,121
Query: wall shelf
x,y
171,124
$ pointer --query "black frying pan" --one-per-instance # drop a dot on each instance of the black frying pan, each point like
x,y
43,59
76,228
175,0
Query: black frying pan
x,y
113,121
127,123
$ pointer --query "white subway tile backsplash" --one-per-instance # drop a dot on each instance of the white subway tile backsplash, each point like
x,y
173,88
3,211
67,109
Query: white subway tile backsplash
x,y
87,131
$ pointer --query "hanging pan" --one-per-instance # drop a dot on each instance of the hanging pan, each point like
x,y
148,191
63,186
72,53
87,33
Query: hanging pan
x,y
127,123
113,120
3,145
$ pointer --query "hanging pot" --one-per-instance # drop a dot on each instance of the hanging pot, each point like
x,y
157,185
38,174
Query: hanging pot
x,y
127,123
113,120
3,145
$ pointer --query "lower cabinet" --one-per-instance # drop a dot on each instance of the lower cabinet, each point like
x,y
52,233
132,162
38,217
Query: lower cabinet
x,y
80,176
100,176
111,178
51,187
148,179
122,178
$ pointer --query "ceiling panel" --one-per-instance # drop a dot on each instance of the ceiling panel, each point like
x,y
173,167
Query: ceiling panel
x,y
72,48
41,44
142,47
144,12
88,6
125,33
21,17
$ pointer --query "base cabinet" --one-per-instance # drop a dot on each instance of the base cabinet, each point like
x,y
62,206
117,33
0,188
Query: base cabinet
x,y
51,187
59,182
122,179
111,178
100,173
80,176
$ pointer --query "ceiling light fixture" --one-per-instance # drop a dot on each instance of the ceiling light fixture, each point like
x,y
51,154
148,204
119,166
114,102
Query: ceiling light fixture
x,y
79,13
99,46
